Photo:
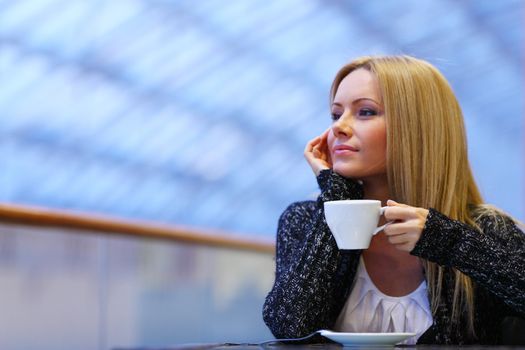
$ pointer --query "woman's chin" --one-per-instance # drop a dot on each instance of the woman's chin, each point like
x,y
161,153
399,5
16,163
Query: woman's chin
x,y
345,171
359,172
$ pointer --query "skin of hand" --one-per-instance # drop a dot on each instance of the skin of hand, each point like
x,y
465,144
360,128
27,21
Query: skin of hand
x,y
406,225
317,154
406,222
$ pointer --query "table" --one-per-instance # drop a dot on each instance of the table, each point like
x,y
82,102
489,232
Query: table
x,y
326,346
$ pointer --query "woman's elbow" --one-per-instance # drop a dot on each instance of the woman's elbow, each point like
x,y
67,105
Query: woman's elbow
x,y
283,323
275,320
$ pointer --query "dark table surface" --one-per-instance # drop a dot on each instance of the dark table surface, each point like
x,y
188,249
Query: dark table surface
x,y
328,346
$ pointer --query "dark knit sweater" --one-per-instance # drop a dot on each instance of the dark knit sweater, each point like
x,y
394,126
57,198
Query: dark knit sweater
x,y
313,278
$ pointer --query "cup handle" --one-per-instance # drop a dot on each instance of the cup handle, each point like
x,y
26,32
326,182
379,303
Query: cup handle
x,y
381,228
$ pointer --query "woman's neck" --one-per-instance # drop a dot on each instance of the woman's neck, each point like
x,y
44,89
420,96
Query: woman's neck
x,y
393,271
376,188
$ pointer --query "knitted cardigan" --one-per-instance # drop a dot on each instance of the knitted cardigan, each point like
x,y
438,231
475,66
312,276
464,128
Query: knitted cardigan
x,y
313,278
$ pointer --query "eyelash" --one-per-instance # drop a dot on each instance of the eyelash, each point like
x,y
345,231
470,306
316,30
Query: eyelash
x,y
335,116
363,112
370,112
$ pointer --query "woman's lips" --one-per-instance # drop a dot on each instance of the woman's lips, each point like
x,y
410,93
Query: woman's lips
x,y
344,150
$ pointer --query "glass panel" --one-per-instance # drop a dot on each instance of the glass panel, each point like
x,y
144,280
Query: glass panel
x,y
69,289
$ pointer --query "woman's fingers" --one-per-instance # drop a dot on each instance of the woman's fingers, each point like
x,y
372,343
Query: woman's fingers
x,y
324,135
398,239
311,147
407,224
394,229
405,242
398,213
404,212
323,147
316,153
320,142
312,143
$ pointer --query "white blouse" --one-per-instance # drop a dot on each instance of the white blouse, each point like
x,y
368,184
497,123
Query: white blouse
x,y
368,310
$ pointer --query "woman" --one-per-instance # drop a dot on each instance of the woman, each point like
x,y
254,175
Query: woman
x,y
448,267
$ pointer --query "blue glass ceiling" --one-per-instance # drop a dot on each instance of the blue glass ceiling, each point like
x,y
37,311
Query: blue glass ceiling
x,y
197,112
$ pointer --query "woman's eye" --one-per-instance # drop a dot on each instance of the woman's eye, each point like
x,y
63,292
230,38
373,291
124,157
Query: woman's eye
x,y
367,112
335,116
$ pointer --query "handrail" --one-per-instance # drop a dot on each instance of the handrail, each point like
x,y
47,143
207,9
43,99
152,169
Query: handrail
x,y
40,216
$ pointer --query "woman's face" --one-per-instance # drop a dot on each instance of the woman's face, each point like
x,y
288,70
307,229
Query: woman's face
x,y
357,141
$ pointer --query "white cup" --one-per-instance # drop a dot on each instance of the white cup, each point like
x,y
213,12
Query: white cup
x,y
353,222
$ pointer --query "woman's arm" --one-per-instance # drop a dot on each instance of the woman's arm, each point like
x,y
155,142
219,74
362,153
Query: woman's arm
x,y
494,258
312,275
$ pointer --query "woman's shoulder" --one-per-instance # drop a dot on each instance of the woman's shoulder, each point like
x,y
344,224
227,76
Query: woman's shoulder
x,y
487,214
297,214
295,219
299,209
492,220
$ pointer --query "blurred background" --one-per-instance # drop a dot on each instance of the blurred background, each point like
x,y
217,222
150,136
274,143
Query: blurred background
x,y
197,113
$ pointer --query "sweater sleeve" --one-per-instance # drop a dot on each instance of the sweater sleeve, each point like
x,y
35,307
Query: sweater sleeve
x,y
311,277
494,258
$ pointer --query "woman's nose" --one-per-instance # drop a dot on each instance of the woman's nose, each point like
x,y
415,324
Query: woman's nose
x,y
343,126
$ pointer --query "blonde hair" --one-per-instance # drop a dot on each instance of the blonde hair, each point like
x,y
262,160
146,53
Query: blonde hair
x,y
427,161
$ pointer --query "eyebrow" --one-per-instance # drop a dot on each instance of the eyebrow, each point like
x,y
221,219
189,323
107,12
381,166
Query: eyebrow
x,y
357,100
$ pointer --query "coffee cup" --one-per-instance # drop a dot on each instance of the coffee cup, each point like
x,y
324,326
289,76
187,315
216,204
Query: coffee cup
x,y
353,222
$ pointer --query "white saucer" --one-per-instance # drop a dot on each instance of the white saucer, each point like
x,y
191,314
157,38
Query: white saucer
x,y
369,339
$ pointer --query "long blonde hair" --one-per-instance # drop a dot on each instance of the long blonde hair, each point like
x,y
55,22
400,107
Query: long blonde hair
x,y
427,161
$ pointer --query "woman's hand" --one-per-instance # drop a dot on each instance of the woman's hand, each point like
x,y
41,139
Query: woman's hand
x,y
407,224
317,154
